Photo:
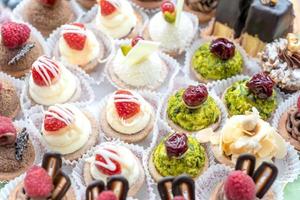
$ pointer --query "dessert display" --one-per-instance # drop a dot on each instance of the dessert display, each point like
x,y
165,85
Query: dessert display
x,y
247,183
256,92
138,65
19,48
47,15
204,9
87,4
17,150
68,130
9,99
128,116
45,182
108,160
248,134
193,109
216,60
176,154
173,28
148,4
281,60
50,82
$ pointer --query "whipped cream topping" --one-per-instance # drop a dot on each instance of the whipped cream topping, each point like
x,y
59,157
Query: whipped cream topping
x,y
170,36
133,124
148,72
90,51
127,160
57,90
72,137
120,23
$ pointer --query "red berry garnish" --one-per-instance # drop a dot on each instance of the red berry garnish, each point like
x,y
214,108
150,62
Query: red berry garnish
x,y
14,35
222,48
75,40
53,124
298,103
37,183
8,132
179,198
127,108
106,171
194,96
107,195
261,85
135,40
48,3
106,8
167,6
176,145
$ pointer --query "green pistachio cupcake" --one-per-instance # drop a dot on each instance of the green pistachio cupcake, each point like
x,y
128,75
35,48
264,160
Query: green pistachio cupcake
x,y
216,60
178,154
192,109
257,92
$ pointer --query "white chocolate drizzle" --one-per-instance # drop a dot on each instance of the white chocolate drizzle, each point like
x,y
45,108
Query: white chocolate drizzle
x,y
70,28
108,156
61,113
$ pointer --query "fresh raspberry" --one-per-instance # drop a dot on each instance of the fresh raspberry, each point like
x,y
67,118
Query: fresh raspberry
x,y
38,79
167,6
179,198
298,103
135,40
239,185
37,183
49,3
14,35
106,8
126,110
52,124
75,40
107,195
106,171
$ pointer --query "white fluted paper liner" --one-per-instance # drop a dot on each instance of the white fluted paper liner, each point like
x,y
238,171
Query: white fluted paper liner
x,y
5,192
206,184
149,11
145,192
106,52
18,12
250,66
84,95
182,82
172,65
90,16
153,99
36,116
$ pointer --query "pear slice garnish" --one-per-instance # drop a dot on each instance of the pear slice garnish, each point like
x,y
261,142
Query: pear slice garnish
x,y
179,9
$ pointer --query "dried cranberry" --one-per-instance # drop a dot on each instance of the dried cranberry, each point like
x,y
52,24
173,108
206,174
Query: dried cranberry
x,y
298,103
135,40
261,85
194,96
176,145
222,48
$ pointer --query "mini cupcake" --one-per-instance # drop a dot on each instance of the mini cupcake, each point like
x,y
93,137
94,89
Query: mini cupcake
x,y
68,130
172,27
17,150
46,15
193,109
111,159
217,60
138,65
176,154
257,92
50,82
281,60
128,116
248,134
9,100
87,4
148,4
118,19
46,182
204,9
19,48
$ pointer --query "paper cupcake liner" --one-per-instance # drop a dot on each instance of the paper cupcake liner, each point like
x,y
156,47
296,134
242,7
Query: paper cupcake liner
x,y
107,50
182,81
145,192
250,66
206,184
18,11
153,99
172,65
85,97
149,11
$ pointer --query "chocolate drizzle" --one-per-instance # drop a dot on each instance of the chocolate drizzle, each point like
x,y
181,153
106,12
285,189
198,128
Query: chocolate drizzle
x,y
205,6
293,123
21,144
21,54
291,58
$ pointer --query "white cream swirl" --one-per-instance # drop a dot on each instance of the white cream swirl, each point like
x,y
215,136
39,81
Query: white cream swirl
x,y
118,24
72,137
129,163
133,124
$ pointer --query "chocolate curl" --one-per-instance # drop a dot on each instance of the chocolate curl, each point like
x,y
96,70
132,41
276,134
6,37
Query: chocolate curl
x,y
164,188
246,162
61,183
94,189
120,184
179,182
52,163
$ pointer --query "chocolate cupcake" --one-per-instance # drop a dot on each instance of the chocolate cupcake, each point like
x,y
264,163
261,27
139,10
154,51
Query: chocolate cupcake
x,y
9,100
87,4
204,9
148,4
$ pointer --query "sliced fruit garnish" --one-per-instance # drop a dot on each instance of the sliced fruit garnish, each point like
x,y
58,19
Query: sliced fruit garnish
x,y
73,37
106,8
169,11
126,104
125,49
105,170
53,124
298,103
135,40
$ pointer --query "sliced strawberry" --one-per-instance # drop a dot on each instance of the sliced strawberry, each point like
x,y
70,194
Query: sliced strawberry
x,y
106,8
52,124
126,110
75,40
48,3
37,78
106,171
298,103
